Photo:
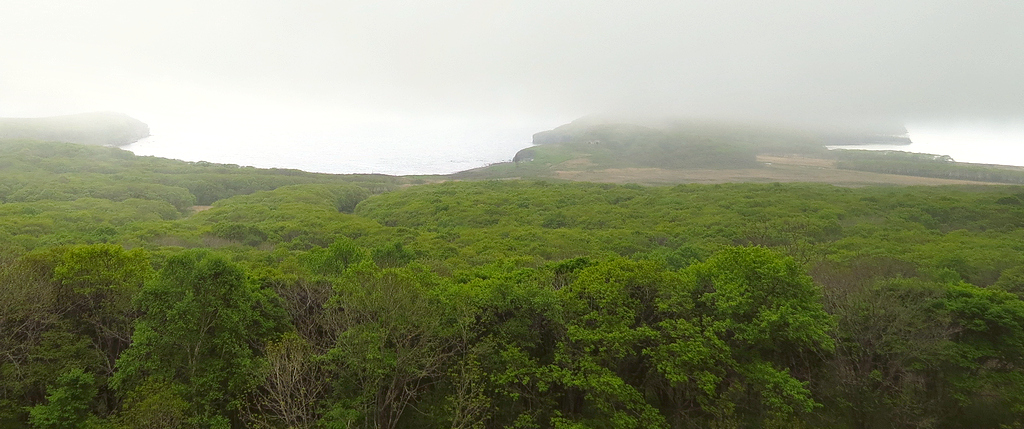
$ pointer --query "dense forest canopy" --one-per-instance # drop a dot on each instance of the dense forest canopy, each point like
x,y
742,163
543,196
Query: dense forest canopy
x,y
138,292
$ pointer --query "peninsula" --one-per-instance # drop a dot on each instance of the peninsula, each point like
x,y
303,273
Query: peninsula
x,y
96,129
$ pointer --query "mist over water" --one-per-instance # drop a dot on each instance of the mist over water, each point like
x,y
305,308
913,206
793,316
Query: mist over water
x,y
985,144
404,146
399,147
981,143
785,61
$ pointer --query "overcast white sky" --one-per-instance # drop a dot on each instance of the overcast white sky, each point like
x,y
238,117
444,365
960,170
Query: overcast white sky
x,y
797,59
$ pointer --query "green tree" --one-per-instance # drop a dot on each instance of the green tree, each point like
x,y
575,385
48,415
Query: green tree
x,y
99,282
67,404
201,322
394,338
610,312
738,335
391,255
68,308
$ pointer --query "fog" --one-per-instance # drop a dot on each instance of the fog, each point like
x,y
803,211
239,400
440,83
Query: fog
x,y
518,62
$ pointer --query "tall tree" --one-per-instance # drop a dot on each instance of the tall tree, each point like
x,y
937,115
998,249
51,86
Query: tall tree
x,y
394,340
738,338
202,321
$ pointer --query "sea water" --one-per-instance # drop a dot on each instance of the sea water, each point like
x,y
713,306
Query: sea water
x,y
976,143
407,147
396,148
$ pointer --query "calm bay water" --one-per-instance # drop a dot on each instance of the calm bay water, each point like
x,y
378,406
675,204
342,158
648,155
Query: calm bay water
x,y
396,148
409,147
983,144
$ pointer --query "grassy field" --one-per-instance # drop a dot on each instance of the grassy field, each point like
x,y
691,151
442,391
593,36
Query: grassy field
x,y
772,169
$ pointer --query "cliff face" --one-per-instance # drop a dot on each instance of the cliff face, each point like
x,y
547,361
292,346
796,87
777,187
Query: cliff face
x,y
99,129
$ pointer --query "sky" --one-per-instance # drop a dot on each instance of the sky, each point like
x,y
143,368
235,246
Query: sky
x,y
522,60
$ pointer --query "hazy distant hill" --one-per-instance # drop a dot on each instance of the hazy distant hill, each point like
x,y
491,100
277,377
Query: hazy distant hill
x,y
99,128
596,142
596,149
672,144
764,137
887,135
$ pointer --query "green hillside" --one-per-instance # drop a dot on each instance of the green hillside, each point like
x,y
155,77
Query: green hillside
x,y
299,300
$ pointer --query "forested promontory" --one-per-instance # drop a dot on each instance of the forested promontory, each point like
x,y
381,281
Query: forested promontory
x,y
98,128
671,151
140,292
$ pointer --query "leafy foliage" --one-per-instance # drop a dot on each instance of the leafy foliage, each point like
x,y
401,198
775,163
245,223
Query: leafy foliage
x,y
201,320
299,301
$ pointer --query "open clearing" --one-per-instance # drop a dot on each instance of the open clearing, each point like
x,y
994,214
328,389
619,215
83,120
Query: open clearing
x,y
774,169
